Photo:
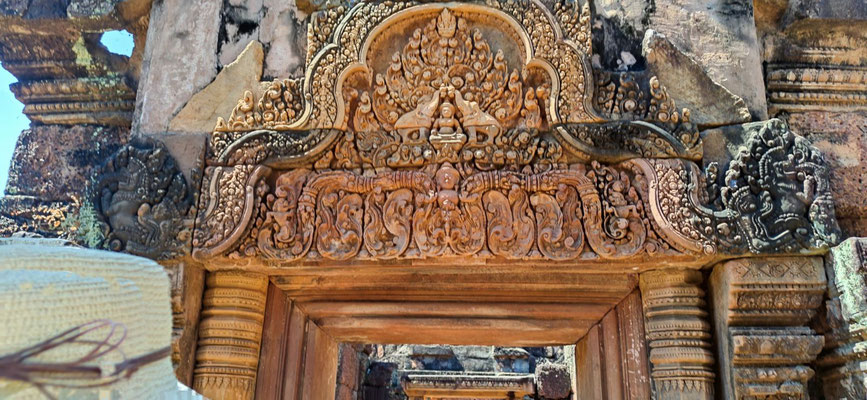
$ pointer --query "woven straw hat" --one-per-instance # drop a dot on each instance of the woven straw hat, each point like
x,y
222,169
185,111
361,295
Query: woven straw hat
x,y
47,289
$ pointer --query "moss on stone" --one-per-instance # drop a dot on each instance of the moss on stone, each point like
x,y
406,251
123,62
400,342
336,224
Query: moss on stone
x,y
84,226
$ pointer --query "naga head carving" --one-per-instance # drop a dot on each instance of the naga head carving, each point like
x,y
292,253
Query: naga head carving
x,y
777,187
143,199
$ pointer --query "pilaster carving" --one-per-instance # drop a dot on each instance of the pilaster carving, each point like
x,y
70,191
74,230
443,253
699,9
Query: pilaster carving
x,y
678,334
843,363
230,334
760,308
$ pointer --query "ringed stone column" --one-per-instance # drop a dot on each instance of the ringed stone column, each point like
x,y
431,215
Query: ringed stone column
x,y
678,334
230,334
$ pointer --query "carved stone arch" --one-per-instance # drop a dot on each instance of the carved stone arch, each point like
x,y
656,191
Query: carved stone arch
x,y
493,20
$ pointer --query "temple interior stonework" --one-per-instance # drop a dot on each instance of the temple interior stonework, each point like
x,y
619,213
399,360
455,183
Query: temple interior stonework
x,y
483,199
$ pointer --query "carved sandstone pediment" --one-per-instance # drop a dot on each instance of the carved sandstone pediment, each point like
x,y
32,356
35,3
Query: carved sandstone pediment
x,y
406,84
430,130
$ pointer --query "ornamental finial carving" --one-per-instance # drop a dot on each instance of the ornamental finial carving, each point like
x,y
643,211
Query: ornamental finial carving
x,y
143,202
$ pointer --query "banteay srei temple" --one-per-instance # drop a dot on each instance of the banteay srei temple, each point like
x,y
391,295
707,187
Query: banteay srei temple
x,y
425,200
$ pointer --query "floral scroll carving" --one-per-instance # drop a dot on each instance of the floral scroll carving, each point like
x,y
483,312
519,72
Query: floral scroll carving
x,y
637,209
482,83
420,214
423,130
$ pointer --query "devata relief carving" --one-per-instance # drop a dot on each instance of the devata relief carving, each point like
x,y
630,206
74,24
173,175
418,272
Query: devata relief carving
x,y
427,130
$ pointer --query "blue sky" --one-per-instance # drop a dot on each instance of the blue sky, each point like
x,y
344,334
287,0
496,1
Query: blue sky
x,y
13,121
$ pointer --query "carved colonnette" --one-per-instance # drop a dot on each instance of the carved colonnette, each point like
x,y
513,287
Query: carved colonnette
x,y
678,334
230,334
843,363
761,308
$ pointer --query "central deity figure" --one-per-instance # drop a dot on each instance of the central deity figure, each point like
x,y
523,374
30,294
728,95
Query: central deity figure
x,y
446,96
443,121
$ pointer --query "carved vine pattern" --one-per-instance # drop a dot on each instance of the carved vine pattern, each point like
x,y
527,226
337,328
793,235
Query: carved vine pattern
x,y
559,214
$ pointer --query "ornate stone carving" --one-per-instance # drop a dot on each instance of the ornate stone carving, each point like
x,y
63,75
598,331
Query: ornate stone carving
x,y
414,134
678,334
559,214
143,201
774,197
434,384
230,334
104,100
228,203
794,87
491,101
760,308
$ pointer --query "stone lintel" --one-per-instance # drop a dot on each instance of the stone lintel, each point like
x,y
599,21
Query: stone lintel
x,y
435,384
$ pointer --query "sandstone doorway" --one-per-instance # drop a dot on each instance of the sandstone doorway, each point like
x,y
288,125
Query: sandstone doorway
x,y
311,311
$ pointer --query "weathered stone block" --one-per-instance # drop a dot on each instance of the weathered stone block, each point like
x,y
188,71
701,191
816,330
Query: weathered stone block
x,y
220,96
29,214
180,59
284,31
842,138
721,36
843,364
690,86
55,163
348,366
846,266
553,381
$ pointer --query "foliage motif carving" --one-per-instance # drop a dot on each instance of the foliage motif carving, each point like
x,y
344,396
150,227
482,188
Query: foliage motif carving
x,y
774,198
339,207
446,212
777,189
143,201
449,94
431,129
